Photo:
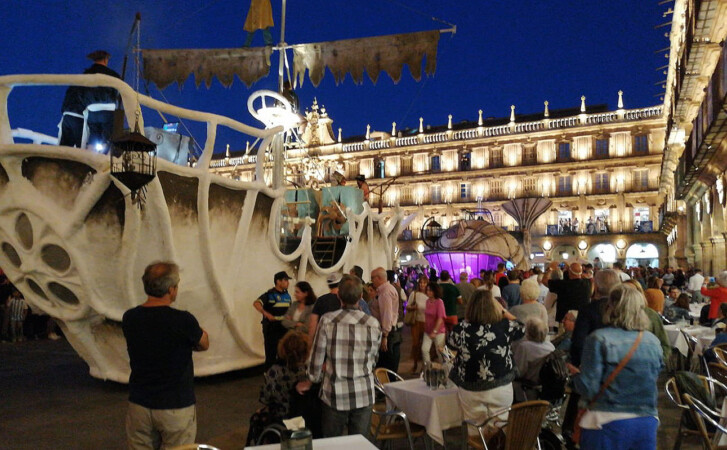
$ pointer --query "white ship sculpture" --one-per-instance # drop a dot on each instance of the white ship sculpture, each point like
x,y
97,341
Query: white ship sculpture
x,y
75,244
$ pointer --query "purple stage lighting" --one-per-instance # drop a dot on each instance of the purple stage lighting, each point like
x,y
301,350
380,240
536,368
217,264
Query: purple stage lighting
x,y
457,262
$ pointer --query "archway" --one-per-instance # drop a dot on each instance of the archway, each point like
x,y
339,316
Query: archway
x,y
642,254
605,252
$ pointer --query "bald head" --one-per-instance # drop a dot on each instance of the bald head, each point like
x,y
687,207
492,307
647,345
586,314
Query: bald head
x,y
378,276
575,270
159,277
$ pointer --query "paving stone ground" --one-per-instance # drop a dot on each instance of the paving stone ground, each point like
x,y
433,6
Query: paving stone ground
x,y
48,400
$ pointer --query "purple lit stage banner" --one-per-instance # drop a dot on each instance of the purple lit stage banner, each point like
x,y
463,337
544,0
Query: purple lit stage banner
x,y
456,262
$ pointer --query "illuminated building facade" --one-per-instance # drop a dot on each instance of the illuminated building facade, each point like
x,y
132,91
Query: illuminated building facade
x,y
695,157
600,169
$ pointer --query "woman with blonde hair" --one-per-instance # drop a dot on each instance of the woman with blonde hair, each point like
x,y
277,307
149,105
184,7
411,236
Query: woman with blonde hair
x,y
618,376
483,368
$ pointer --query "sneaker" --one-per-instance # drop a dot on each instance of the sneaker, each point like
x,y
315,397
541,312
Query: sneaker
x,y
53,337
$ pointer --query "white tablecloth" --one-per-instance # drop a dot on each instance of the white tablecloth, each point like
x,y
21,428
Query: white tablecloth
x,y
704,335
695,309
436,410
355,442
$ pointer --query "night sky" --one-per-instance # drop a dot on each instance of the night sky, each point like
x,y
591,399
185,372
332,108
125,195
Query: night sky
x,y
505,52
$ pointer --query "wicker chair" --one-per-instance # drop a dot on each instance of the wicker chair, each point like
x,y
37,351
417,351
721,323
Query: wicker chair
x,y
521,429
391,424
702,413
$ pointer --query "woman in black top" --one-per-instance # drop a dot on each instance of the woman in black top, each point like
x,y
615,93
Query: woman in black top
x,y
483,368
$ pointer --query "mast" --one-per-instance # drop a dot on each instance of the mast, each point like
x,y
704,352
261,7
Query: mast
x,y
277,142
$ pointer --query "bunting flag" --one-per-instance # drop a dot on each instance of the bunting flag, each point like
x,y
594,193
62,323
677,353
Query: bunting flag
x,y
350,56
372,54
164,67
526,211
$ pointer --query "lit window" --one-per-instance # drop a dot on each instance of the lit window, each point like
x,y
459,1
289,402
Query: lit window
x,y
496,188
496,158
529,186
464,190
564,185
436,194
601,183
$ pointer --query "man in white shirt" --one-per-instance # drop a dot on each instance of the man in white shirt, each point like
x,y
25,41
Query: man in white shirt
x,y
694,286
618,268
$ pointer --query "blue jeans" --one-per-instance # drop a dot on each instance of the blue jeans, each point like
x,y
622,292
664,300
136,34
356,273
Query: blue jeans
x,y
629,434
358,421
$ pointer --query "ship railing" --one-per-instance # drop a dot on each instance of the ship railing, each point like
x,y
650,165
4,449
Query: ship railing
x,y
131,102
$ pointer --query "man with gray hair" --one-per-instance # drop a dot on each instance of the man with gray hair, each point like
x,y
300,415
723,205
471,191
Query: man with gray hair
x,y
160,341
344,354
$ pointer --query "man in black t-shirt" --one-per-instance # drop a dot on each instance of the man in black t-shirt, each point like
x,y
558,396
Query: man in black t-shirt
x,y
573,293
325,303
273,304
160,341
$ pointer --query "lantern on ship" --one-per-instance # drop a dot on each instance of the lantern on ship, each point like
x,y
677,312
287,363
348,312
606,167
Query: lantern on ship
x,y
133,160
431,232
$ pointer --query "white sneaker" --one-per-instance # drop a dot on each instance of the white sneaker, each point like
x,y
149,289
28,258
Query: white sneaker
x,y
53,337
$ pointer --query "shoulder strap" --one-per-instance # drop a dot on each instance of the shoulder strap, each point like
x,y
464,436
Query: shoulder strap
x,y
620,366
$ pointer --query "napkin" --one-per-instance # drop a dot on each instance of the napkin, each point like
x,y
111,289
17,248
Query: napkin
x,y
296,423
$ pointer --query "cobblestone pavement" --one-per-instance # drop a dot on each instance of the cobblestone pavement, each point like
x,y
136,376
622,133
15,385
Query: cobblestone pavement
x,y
50,401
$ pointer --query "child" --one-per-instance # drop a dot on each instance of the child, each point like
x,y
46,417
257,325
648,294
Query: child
x,y
18,310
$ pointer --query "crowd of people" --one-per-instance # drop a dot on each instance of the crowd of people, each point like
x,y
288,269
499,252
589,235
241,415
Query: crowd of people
x,y
501,326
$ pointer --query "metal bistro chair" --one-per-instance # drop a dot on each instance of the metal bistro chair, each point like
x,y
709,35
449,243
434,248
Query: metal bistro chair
x,y
383,376
523,425
677,397
720,352
390,424
702,412
718,372
692,342
194,447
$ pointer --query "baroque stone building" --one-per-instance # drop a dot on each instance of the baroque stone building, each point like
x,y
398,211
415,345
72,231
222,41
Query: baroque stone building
x,y
695,157
600,169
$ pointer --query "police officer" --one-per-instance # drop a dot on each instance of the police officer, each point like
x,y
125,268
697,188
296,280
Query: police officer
x,y
273,305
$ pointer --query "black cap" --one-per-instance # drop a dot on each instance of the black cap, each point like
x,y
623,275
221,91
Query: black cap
x,y
360,177
98,55
281,276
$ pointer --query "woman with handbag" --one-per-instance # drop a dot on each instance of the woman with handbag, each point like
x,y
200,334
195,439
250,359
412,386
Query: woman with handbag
x,y
617,378
415,307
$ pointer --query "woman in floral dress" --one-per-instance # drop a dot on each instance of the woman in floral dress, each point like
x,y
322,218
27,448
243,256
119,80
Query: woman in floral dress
x,y
483,368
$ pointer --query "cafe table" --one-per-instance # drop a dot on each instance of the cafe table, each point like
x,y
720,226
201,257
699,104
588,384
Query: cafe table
x,y
354,442
435,409
704,336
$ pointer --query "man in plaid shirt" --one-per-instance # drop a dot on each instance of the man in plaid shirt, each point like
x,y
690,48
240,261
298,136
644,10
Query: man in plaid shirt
x,y
344,355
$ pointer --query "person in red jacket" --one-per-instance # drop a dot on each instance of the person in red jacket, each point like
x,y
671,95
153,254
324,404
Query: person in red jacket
x,y
717,294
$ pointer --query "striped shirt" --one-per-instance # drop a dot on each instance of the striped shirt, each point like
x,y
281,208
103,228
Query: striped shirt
x,y
347,341
16,308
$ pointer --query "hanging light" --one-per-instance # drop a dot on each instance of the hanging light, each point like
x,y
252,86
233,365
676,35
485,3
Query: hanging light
x,y
133,159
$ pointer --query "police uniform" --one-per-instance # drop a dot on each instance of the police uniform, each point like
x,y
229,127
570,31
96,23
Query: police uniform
x,y
276,303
